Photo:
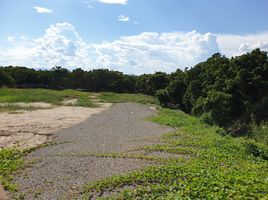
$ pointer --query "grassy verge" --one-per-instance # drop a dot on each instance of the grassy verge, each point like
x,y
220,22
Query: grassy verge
x,y
222,167
124,97
11,95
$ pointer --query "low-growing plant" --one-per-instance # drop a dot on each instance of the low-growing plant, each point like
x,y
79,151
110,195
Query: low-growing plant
x,y
10,161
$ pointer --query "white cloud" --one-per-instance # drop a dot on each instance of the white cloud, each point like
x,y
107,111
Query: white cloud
x,y
42,9
88,3
233,45
123,18
60,45
149,51
144,53
114,1
11,38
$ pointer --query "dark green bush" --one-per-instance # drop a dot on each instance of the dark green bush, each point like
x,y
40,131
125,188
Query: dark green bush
x,y
256,150
163,97
239,129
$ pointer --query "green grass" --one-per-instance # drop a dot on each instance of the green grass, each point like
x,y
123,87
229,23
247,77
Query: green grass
x,y
11,95
221,168
110,97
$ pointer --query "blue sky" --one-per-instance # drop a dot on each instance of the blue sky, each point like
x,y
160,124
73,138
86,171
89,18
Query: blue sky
x,y
133,36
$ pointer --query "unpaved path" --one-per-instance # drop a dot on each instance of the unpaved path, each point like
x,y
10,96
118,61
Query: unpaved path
x,y
61,169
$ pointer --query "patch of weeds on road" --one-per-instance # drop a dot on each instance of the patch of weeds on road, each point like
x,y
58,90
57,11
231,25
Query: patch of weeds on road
x,y
221,168
155,159
52,143
10,161
170,149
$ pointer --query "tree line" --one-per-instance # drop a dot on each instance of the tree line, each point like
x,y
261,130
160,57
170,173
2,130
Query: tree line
x,y
228,92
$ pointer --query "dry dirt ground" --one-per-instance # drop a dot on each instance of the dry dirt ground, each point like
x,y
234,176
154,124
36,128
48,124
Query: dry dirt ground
x,y
31,128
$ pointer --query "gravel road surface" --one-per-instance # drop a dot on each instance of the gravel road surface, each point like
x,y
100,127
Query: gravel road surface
x,y
58,175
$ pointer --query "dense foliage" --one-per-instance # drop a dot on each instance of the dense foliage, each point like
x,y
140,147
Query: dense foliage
x,y
227,92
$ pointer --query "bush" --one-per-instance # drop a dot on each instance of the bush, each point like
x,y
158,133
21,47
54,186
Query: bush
x,y
256,150
217,104
207,118
239,129
163,97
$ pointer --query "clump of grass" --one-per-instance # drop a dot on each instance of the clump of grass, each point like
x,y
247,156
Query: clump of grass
x,y
221,168
110,97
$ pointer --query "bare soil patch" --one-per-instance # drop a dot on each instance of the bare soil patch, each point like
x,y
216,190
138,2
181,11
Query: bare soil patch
x,y
32,128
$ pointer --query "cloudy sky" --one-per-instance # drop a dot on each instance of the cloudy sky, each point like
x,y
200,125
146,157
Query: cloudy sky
x,y
132,36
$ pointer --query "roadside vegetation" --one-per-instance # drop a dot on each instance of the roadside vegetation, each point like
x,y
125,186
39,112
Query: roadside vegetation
x,y
218,167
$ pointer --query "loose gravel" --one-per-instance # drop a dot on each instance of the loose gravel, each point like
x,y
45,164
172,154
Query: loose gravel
x,y
62,169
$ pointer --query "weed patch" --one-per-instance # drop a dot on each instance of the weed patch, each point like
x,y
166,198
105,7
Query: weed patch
x,y
10,161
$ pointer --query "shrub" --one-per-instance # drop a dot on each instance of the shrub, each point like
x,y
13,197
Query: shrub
x,y
207,118
163,97
239,129
256,150
217,104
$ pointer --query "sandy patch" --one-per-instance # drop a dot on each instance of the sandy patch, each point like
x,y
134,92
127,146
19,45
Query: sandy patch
x,y
32,128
